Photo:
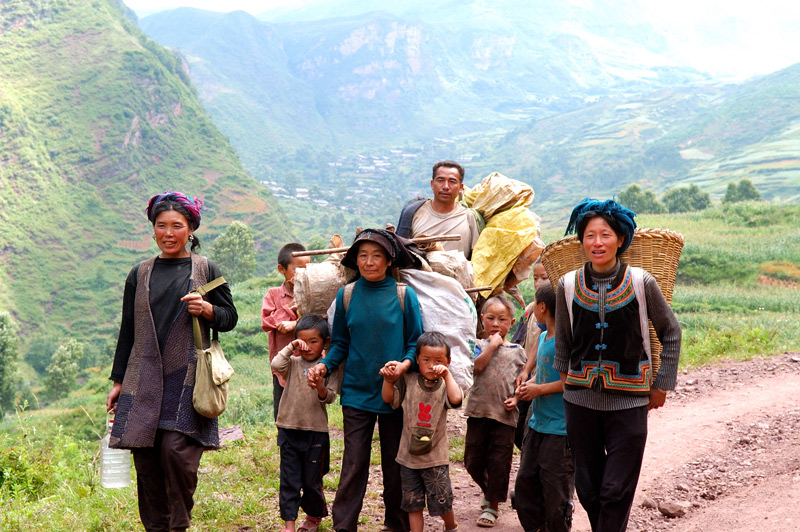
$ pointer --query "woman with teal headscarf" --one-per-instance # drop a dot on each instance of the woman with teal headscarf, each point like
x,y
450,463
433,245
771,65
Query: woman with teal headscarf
x,y
601,354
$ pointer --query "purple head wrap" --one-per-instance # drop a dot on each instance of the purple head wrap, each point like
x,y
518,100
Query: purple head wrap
x,y
192,205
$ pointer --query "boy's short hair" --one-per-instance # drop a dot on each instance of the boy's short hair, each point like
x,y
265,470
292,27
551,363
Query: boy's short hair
x,y
501,299
313,321
432,339
546,295
285,253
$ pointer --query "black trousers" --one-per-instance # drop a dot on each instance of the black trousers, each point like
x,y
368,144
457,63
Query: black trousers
x,y
488,450
305,459
358,428
277,393
166,477
522,422
608,448
545,483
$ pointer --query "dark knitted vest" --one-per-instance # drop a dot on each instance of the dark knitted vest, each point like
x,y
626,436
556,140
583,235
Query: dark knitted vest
x,y
607,355
157,387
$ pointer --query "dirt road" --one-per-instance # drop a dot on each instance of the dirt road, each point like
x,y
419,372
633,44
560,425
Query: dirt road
x,y
726,447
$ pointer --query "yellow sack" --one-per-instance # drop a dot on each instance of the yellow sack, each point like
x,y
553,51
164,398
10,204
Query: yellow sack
x,y
500,244
497,193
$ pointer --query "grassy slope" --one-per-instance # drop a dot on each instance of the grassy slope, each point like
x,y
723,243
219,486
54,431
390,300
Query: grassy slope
x,y
95,118
51,482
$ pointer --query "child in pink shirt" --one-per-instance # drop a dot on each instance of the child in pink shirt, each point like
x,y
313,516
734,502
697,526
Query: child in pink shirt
x,y
278,317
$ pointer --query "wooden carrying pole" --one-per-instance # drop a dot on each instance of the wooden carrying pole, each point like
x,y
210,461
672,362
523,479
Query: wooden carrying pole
x,y
478,289
419,240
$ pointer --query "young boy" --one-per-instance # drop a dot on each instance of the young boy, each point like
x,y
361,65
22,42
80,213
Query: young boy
x,y
424,453
303,424
545,481
529,339
278,318
492,408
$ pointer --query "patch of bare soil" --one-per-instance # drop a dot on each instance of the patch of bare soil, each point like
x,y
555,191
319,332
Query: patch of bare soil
x,y
725,450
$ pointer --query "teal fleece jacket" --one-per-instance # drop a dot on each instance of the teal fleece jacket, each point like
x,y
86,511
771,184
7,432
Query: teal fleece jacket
x,y
370,334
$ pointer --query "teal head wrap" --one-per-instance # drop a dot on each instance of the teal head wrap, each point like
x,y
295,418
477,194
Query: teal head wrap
x,y
621,215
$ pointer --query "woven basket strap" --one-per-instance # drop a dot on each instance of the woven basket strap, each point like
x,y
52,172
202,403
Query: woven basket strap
x,y
569,292
637,276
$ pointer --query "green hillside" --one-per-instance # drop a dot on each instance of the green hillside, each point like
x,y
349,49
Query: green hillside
x,y
94,119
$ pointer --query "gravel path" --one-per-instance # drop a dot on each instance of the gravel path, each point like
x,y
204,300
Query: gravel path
x,y
725,448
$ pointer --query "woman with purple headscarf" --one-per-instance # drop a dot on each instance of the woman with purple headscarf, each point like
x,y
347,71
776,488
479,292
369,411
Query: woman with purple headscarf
x,y
154,364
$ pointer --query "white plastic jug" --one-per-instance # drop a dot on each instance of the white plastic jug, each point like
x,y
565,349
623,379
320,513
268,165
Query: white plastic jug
x,y
115,464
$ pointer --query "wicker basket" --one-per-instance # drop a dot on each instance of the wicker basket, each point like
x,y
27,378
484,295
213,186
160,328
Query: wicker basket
x,y
655,250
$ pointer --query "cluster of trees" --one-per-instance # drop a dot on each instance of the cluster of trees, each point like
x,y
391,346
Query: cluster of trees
x,y
743,191
61,370
683,199
234,251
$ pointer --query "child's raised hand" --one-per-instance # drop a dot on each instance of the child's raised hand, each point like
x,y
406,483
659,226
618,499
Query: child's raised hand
x,y
440,370
286,326
510,403
495,340
299,345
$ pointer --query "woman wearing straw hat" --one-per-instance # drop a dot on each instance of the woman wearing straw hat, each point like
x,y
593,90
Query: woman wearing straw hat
x,y
604,361
375,322
154,364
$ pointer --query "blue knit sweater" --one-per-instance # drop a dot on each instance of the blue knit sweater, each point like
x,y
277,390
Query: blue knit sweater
x,y
368,335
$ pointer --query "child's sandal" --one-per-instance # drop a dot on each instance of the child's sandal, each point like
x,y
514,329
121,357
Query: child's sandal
x,y
488,518
310,524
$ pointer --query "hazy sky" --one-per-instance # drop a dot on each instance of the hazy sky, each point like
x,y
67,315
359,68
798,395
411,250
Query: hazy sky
x,y
738,38
251,6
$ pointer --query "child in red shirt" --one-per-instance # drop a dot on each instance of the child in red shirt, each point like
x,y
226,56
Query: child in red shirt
x,y
278,317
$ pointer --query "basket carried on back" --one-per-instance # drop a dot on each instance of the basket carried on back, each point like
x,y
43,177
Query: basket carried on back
x,y
655,250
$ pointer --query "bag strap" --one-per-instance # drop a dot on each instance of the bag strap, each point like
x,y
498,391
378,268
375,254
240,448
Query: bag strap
x,y
208,287
203,290
348,295
401,295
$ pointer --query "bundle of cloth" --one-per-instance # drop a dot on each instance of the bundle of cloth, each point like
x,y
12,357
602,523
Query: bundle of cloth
x,y
511,240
